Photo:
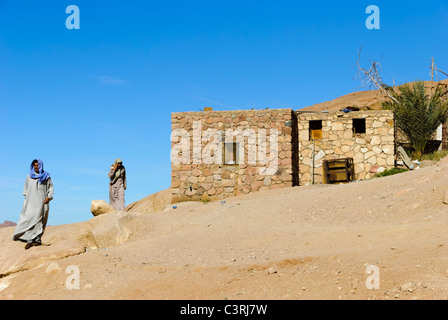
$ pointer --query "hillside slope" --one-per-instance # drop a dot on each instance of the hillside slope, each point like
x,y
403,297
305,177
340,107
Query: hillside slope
x,y
310,242
364,100
7,224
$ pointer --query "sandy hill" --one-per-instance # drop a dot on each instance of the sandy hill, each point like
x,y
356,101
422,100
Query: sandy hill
x,y
310,242
364,100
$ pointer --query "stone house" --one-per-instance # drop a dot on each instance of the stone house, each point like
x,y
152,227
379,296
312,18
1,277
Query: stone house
x,y
217,154
367,137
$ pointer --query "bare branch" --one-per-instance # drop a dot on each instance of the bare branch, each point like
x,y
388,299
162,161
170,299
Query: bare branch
x,y
372,77
433,70
441,71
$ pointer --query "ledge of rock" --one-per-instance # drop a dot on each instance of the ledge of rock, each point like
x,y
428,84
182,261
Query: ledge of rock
x,y
64,240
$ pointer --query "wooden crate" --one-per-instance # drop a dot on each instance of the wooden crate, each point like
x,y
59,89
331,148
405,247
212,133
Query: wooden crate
x,y
338,170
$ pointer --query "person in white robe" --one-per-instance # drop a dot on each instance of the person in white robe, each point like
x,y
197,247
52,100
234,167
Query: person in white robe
x,y
38,193
117,185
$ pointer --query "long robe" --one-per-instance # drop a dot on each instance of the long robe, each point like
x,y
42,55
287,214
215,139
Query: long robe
x,y
34,215
116,190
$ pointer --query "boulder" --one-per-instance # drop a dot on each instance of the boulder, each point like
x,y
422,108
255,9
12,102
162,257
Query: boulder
x,y
99,207
152,203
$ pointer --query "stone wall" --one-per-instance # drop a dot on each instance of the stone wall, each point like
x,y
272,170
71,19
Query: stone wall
x,y
265,144
372,151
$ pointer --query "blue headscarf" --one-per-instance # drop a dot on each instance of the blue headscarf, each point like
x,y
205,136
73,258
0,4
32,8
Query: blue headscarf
x,y
42,175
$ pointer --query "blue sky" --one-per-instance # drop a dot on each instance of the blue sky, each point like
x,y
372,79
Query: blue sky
x,y
78,99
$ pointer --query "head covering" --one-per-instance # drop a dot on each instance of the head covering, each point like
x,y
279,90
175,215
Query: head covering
x,y
42,175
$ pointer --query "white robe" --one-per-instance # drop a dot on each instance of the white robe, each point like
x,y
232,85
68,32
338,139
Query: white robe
x,y
34,215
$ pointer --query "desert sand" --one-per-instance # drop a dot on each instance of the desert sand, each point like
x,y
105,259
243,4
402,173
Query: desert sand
x,y
306,242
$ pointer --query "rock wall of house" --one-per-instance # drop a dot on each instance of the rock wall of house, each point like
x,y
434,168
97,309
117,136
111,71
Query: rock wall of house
x,y
199,174
372,151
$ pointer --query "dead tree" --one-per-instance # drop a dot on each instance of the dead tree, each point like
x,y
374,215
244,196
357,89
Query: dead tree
x,y
372,77
433,70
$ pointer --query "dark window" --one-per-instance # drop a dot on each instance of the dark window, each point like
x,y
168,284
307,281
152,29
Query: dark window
x,y
359,126
315,129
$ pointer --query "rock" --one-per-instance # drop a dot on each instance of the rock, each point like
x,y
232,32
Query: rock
x,y
407,287
267,181
64,241
112,229
152,203
445,198
99,207
272,270
320,155
4,283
